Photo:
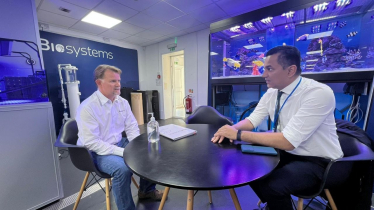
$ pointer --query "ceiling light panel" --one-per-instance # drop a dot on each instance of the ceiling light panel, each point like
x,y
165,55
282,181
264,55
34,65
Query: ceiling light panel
x,y
101,20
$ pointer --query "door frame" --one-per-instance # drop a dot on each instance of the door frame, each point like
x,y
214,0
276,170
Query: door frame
x,y
166,83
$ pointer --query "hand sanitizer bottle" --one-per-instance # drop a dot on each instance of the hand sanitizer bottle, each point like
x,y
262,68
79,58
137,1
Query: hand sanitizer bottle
x,y
153,130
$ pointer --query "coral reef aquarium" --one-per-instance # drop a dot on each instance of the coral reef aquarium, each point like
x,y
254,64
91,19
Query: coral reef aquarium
x,y
22,78
334,36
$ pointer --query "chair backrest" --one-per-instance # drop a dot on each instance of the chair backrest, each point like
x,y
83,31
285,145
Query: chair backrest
x,y
353,150
207,115
80,156
338,171
69,133
350,145
252,105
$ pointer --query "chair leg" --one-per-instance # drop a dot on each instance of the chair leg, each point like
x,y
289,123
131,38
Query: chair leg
x,y
135,183
300,204
259,203
331,201
81,190
107,195
210,196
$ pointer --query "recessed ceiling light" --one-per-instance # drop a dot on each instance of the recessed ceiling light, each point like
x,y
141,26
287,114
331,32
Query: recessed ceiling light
x,y
101,20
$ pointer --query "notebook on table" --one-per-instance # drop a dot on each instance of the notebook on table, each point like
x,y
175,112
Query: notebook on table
x,y
176,132
258,150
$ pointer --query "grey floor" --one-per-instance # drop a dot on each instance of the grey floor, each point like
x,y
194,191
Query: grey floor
x,y
72,179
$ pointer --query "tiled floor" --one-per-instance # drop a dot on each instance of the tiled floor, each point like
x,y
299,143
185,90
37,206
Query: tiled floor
x,y
72,179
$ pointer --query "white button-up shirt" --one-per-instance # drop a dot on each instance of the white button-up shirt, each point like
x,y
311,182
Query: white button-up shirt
x,y
101,123
306,120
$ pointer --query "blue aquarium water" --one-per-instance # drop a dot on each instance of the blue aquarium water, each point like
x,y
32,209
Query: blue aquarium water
x,y
335,37
21,80
22,89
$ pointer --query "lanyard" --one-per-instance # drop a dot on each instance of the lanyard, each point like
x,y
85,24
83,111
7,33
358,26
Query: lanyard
x,y
276,115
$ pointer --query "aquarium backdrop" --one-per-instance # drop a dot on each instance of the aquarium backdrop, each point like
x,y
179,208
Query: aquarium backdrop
x,y
336,36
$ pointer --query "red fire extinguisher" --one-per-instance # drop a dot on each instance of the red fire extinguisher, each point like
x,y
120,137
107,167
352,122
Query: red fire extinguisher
x,y
188,104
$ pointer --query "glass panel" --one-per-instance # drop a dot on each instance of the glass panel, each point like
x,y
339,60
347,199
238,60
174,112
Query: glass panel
x,y
19,82
336,36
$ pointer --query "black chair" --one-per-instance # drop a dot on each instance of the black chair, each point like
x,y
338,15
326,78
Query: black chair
x,y
338,171
251,107
208,115
82,159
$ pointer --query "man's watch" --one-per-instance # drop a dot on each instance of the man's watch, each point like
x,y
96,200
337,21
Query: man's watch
x,y
239,135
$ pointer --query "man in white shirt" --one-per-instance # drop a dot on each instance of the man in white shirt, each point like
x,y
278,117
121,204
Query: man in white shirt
x,y
305,132
101,119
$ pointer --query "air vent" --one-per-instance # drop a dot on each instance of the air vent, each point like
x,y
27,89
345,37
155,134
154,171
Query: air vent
x,y
64,10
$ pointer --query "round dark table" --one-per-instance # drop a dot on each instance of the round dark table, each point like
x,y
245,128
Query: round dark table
x,y
195,163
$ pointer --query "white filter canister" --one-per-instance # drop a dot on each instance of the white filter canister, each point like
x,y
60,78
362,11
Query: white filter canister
x,y
73,97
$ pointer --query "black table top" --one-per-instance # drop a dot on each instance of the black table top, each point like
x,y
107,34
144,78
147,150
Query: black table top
x,y
195,162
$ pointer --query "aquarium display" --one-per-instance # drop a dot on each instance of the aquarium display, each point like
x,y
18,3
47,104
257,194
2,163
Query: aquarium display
x,y
22,79
335,36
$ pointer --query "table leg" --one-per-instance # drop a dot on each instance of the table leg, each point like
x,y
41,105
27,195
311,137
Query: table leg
x,y
210,196
235,199
162,203
190,200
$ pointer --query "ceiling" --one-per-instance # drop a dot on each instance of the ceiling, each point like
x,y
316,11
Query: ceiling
x,y
144,22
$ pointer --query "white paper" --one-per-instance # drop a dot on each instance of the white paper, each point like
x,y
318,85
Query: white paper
x,y
176,132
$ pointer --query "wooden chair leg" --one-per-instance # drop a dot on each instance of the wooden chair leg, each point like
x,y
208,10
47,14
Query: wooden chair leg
x,y
107,195
331,201
81,191
164,196
210,196
300,204
235,199
134,182
190,200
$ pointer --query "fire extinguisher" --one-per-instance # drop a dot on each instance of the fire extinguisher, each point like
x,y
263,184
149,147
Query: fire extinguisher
x,y
188,104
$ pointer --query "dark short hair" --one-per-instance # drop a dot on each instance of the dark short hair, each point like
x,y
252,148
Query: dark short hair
x,y
288,55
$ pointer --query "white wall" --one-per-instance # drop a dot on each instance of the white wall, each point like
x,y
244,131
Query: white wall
x,y
195,46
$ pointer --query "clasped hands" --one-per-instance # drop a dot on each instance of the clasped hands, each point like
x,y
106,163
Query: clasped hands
x,y
225,131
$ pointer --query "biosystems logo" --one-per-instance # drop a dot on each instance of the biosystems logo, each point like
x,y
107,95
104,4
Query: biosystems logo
x,y
77,51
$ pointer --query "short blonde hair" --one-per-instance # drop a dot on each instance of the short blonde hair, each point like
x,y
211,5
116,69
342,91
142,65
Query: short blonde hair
x,y
100,71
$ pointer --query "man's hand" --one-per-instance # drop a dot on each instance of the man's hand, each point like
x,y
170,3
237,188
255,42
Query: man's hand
x,y
225,131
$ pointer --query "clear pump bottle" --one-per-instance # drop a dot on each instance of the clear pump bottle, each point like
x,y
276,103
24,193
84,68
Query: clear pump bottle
x,y
153,130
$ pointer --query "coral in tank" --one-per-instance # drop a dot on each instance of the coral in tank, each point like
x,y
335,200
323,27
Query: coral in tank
x,y
370,53
369,61
332,52
352,55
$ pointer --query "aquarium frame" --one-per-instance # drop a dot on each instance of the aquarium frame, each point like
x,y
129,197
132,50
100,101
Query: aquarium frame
x,y
269,11
28,43
327,77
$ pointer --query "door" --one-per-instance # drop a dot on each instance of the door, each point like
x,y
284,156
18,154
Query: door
x,y
177,75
